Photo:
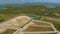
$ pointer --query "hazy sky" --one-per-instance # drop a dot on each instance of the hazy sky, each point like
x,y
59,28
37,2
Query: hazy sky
x,y
23,1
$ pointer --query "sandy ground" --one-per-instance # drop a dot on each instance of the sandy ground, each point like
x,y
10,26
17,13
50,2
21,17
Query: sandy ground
x,y
14,23
2,30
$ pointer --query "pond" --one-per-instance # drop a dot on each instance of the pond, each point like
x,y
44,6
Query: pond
x,y
35,17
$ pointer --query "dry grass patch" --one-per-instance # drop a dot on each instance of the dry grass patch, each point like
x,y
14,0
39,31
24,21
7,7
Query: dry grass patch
x,y
9,31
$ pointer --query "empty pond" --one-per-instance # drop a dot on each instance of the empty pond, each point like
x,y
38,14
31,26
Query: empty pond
x,y
34,28
40,23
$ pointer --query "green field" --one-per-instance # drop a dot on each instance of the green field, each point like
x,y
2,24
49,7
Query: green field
x,y
33,9
4,17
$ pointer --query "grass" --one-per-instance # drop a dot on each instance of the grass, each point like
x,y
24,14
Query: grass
x,y
4,17
32,9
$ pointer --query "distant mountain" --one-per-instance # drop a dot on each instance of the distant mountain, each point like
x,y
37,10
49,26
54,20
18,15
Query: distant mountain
x,y
49,5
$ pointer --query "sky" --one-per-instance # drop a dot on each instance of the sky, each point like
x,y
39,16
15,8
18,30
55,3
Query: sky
x,y
23,1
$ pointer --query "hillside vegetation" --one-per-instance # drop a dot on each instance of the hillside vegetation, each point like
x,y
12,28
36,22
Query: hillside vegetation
x,y
35,9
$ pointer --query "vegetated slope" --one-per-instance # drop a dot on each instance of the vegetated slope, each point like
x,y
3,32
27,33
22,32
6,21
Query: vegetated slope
x,y
32,9
4,17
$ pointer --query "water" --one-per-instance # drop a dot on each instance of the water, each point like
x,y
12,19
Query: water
x,y
2,8
34,17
